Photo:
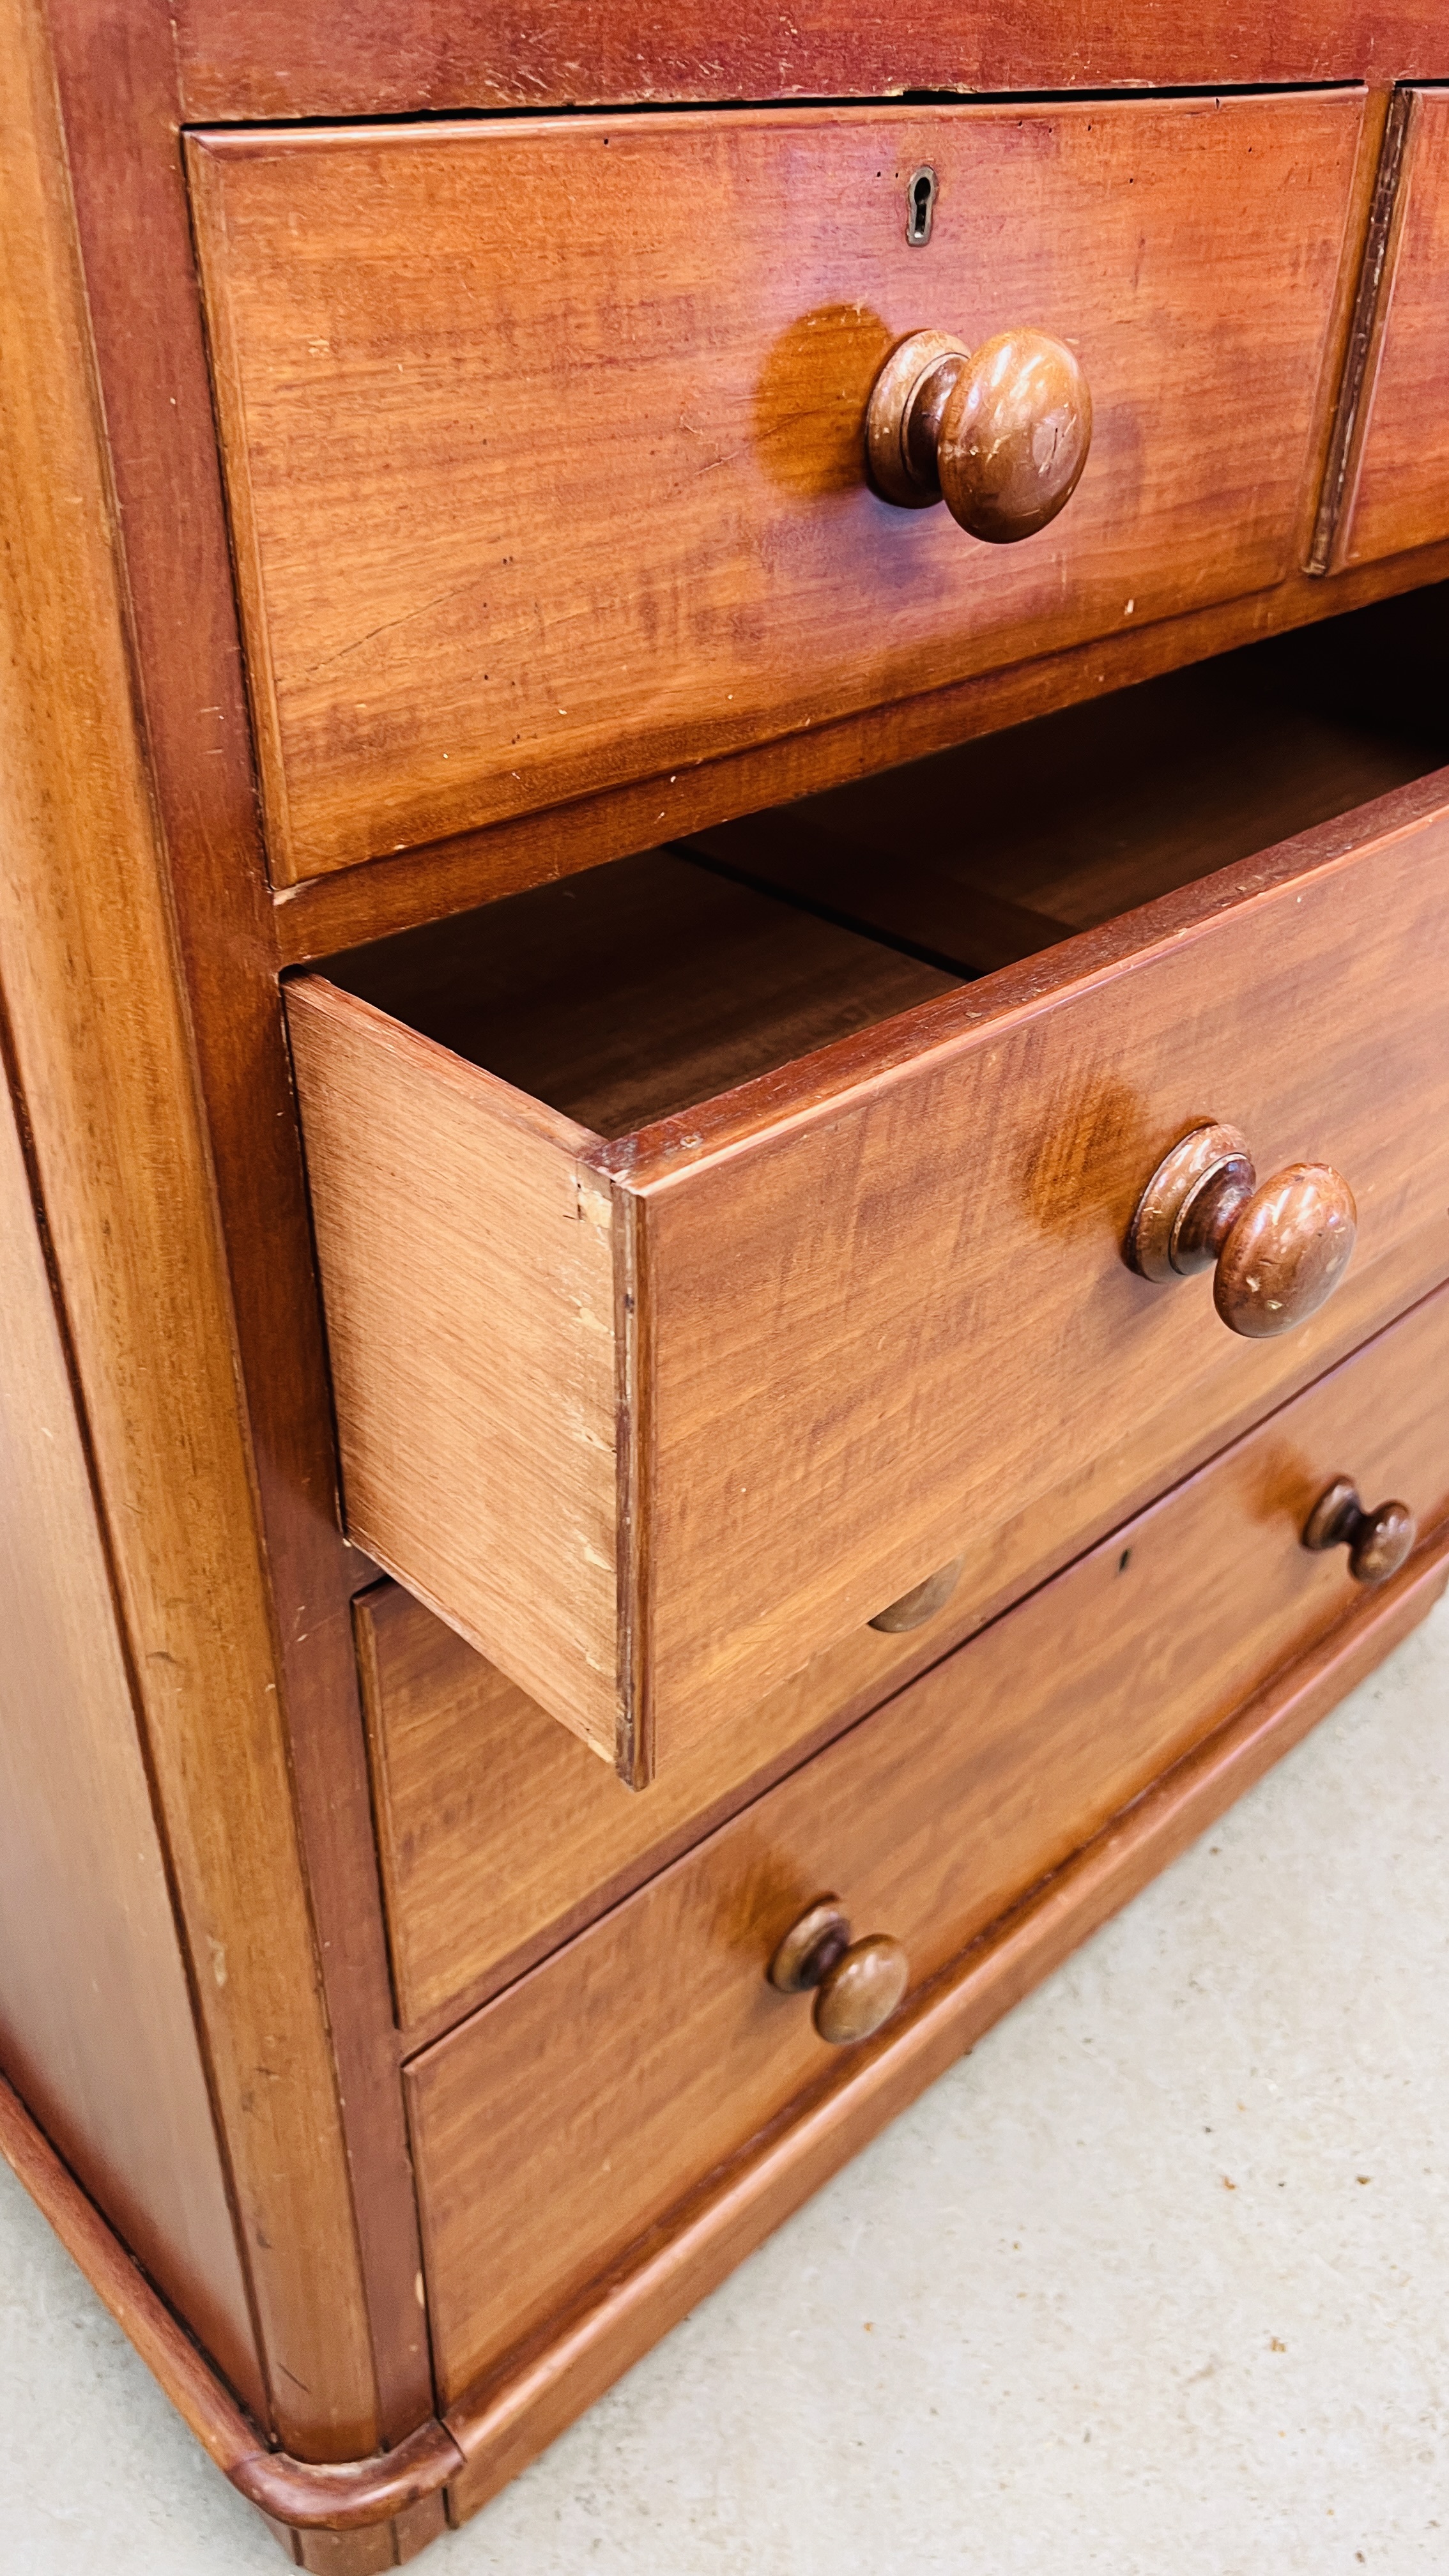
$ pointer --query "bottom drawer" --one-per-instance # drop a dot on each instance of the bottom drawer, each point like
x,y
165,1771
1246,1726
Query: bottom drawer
x,y
566,2117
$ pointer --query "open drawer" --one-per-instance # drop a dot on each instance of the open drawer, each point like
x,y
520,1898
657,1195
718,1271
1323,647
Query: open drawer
x,y
702,1273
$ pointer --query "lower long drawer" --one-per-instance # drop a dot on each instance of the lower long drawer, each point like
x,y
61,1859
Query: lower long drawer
x,y
562,2120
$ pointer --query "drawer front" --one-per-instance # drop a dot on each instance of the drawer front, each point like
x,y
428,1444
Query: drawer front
x,y
500,1834
544,440
652,1438
1397,495
498,1831
566,2118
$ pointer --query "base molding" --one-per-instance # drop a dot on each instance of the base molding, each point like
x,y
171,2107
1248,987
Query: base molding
x,y
305,2495
391,2503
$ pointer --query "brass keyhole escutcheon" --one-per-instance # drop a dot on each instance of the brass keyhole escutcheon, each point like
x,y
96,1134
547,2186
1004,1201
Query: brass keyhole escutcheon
x,y
920,205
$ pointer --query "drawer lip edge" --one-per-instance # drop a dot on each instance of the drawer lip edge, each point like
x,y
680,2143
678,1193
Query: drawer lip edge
x,y
649,1162
283,138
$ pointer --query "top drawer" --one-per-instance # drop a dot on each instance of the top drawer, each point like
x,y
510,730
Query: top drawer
x,y
544,440
702,1274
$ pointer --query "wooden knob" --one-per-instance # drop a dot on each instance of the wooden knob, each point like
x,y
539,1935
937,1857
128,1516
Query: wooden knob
x,y
1000,436
1378,1543
1278,1249
857,1984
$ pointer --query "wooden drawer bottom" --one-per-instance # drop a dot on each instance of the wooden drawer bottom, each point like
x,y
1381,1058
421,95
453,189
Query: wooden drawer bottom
x,y
568,2116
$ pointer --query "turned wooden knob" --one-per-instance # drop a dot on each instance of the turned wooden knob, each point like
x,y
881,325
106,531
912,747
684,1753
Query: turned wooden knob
x,y
1378,1543
1000,436
1278,1248
857,1984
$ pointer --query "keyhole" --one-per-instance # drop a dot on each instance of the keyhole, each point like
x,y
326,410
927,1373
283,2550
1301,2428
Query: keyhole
x,y
920,205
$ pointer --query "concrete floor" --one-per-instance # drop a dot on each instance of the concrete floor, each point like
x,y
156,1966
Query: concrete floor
x,y
1156,2281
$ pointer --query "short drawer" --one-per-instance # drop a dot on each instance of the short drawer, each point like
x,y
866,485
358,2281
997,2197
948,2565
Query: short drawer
x,y
568,2116
500,1835
702,1274
1396,489
545,438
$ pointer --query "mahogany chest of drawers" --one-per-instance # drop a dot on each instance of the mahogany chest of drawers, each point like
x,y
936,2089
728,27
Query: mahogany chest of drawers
x,y
725,974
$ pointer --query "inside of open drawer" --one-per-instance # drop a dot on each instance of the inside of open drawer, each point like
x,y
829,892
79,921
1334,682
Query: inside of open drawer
x,y
652,984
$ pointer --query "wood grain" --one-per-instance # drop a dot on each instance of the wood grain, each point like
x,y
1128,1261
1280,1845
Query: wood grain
x,y
566,2118
115,73
1387,122
104,1061
508,2417
430,539
823,1254
381,2545
96,2026
282,58
973,1197
501,1836
498,2426
1397,489
332,913
348,2495
440,1194
638,990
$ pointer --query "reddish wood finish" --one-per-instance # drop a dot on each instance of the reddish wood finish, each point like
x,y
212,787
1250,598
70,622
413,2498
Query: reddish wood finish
x,y
857,1984
347,2350
271,58
1396,493
1277,1248
163,998
1000,434
466,597
1378,1540
503,2422
301,2494
361,904
102,1037
816,1260
565,2120
501,1835
500,2425
96,2024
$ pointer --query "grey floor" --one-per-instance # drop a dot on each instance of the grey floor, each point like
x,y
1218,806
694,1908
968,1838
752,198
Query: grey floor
x,y
1157,2280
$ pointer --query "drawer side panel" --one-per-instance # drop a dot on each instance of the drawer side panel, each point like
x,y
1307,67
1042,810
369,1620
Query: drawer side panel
x,y
467,1269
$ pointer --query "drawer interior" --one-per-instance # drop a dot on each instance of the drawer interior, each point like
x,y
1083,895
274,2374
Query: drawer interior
x,y
664,1214
644,988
